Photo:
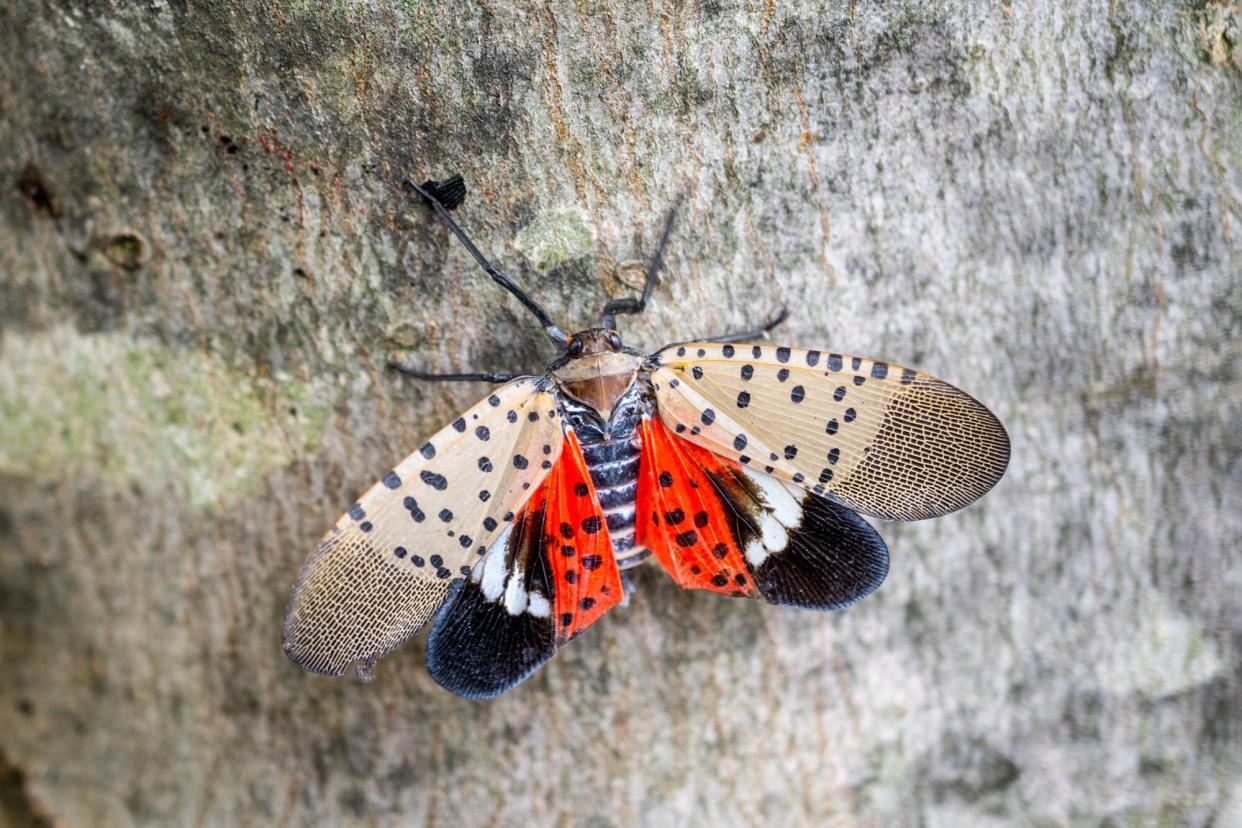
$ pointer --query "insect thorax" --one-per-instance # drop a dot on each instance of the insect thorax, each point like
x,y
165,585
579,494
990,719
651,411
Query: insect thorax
x,y
596,370
604,394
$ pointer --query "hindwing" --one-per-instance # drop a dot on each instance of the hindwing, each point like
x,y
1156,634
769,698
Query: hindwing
x,y
547,577
713,524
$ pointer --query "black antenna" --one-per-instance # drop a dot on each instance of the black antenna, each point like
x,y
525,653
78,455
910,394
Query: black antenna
x,y
629,304
448,195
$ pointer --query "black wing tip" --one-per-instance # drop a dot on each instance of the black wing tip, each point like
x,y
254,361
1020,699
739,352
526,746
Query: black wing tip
x,y
477,651
833,561
477,681
450,192
475,688
842,596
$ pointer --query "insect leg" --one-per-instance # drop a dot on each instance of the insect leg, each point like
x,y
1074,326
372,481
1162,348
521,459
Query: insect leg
x,y
454,190
629,304
759,333
480,376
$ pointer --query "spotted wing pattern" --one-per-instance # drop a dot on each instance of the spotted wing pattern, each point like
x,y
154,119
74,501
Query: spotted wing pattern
x,y
713,524
386,566
884,440
549,575
683,520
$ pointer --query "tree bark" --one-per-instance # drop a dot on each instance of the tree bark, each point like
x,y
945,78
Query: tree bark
x,y
207,257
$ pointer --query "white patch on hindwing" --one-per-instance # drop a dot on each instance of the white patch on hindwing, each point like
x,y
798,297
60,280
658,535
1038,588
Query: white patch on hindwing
x,y
515,592
538,606
775,538
490,572
781,511
782,501
499,583
756,553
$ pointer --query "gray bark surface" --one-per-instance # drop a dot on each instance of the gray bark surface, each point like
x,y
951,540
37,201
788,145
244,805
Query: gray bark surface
x,y
206,258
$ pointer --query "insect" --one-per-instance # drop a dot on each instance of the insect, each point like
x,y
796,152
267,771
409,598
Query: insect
x,y
740,466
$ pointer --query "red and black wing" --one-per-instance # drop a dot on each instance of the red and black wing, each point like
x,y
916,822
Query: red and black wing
x,y
714,524
548,576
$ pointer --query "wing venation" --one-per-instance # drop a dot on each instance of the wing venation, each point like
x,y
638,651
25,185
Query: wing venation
x,y
544,581
881,439
386,566
752,534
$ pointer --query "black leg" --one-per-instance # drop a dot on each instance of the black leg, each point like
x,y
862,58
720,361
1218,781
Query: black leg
x,y
780,317
496,376
630,304
429,190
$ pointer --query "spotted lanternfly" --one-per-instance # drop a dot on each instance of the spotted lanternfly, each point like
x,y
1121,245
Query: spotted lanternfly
x,y
740,466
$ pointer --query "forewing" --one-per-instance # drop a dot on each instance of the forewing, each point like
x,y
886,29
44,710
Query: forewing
x,y
881,439
547,577
386,566
713,524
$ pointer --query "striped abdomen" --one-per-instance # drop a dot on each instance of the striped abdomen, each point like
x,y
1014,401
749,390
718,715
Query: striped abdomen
x,y
613,465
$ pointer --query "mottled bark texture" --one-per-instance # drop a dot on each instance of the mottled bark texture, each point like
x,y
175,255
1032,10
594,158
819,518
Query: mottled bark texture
x,y
207,258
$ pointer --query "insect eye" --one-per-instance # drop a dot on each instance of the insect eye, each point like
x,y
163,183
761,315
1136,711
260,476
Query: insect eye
x,y
613,339
575,348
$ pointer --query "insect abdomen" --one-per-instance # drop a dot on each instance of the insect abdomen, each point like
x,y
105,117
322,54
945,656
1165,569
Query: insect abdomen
x,y
613,465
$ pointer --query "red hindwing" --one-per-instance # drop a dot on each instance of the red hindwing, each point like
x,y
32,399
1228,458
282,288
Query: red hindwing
x,y
682,518
585,579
